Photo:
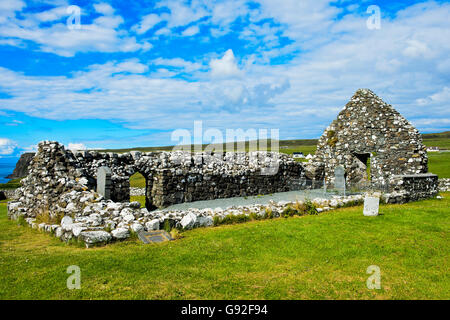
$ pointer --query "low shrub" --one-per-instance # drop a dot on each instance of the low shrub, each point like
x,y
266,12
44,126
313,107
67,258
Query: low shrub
x,y
310,207
268,214
289,212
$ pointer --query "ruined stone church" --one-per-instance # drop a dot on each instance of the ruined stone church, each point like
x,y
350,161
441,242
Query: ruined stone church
x,y
372,141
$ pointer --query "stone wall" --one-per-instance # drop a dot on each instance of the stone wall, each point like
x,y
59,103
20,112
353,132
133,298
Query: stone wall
x,y
58,195
406,188
176,177
366,129
7,193
171,177
444,184
225,176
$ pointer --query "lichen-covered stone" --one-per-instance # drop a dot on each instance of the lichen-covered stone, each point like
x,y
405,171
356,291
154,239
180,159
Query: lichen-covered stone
x,y
95,237
367,128
120,233
61,183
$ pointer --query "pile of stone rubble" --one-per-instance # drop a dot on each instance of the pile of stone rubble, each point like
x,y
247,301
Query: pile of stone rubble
x,y
137,191
104,221
444,184
57,195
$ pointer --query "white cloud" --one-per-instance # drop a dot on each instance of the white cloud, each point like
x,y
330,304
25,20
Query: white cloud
x,y
8,9
147,22
190,31
76,146
51,15
225,67
440,97
104,8
132,66
109,22
224,13
103,35
7,147
14,123
304,20
31,148
416,49
11,5
405,62
181,13
187,66
163,31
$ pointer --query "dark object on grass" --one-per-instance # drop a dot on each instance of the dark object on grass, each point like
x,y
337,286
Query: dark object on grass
x,y
2,196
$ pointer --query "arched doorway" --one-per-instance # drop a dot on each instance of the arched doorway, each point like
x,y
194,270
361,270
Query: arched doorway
x,y
137,188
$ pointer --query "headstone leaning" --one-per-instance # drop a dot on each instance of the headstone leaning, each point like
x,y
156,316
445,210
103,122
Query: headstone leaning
x,y
104,182
339,179
371,206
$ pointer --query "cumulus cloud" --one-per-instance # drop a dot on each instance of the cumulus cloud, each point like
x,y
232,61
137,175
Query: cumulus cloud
x,y
7,147
191,31
182,13
104,8
226,66
327,59
102,35
147,22
51,15
304,20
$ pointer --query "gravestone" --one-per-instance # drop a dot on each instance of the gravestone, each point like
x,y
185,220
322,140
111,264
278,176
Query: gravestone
x,y
154,236
371,206
104,183
339,179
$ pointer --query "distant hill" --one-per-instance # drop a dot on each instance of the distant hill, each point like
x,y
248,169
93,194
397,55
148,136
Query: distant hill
x,y
444,135
441,140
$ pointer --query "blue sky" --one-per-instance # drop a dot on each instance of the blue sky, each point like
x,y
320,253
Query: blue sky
x,y
133,72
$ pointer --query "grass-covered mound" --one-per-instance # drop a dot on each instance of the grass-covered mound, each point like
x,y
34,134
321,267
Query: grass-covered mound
x,y
11,184
309,257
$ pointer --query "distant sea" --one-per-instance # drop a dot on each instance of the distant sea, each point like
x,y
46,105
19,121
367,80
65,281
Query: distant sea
x,y
7,166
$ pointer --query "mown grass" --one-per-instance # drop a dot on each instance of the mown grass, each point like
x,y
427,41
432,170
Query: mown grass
x,y
140,199
441,140
309,257
137,180
439,163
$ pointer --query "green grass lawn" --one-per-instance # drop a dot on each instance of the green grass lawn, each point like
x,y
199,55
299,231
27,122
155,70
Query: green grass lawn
x,y
137,180
439,163
140,199
309,257
441,140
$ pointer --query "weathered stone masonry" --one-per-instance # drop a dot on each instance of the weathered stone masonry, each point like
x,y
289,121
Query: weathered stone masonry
x,y
369,131
181,177
58,195
55,171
